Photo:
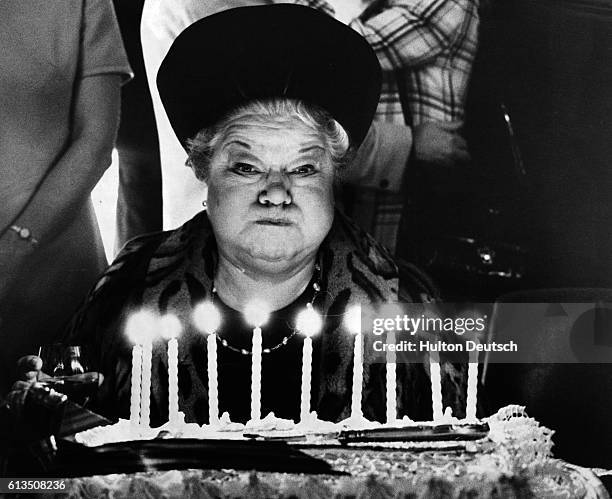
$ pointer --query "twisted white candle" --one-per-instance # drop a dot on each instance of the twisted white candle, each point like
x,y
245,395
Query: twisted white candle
x,y
256,313
309,323
145,397
173,398
356,410
170,329
306,379
391,381
352,321
140,329
213,383
256,351
207,319
136,380
472,386
436,385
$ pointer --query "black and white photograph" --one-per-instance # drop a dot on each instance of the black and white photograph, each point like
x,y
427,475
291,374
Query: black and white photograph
x,y
306,248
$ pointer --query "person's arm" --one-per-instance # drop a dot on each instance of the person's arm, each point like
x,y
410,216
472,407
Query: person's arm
x,y
98,326
382,158
411,32
70,182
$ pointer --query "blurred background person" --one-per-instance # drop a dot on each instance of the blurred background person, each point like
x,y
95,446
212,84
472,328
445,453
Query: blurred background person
x,y
162,21
139,201
62,67
426,49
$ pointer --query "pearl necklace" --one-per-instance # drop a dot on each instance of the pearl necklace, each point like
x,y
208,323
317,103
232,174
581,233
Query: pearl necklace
x,y
316,290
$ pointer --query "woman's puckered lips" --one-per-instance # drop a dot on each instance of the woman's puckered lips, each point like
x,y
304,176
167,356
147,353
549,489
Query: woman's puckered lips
x,y
282,222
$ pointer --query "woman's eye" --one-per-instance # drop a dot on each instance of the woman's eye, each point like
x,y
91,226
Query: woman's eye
x,y
244,168
303,169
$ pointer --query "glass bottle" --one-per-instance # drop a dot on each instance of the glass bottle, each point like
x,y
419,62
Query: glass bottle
x,y
74,365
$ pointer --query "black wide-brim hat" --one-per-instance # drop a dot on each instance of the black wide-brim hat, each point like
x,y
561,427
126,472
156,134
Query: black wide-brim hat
x,y
259,52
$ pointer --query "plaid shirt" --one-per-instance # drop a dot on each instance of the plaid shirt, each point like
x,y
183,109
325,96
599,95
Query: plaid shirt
x,y
427,46
426,49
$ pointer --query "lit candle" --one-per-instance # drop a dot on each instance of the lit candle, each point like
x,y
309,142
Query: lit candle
x,y
139,329
170,330
391,381
352,321
472,385
208,319
308,323
436,385
256,314
145,397
136,380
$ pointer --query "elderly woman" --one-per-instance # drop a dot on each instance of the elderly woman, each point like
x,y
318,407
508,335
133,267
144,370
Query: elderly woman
x,y
274,99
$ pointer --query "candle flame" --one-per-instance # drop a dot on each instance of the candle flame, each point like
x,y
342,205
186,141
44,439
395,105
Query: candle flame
x,y
170,326
352,319
140,326
309,322
206,317
257,313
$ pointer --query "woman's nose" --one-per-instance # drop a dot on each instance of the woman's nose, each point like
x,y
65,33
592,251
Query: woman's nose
x,y
276,192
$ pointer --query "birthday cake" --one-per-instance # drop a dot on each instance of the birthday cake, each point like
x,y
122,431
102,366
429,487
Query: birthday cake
x,y
507,453
142,326
512,459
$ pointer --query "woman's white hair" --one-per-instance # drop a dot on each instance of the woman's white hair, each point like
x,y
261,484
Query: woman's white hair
x,y
202,147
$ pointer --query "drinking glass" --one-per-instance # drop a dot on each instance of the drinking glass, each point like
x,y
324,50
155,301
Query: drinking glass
x,y
65,369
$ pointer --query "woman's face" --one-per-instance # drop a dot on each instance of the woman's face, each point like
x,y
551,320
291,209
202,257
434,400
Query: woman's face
x,y
270,194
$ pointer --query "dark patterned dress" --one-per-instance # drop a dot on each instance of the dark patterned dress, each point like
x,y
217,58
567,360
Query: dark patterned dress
x,y
173,271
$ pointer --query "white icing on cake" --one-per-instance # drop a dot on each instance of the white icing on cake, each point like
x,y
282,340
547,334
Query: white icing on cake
x,y
270,422
269,426
358,423
313,425
122,431
225,424
404,422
